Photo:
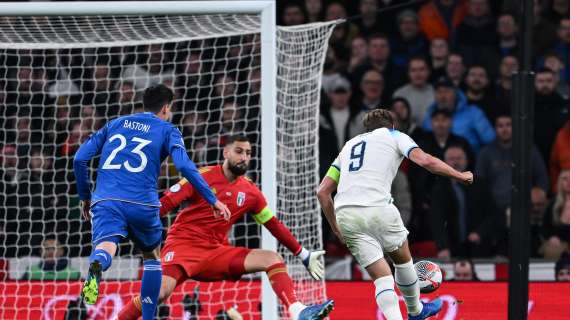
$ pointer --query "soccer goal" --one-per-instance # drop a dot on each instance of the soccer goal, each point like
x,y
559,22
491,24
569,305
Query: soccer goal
x,y
67,68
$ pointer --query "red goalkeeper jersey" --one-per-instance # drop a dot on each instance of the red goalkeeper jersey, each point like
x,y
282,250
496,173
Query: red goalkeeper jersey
x,y
197,220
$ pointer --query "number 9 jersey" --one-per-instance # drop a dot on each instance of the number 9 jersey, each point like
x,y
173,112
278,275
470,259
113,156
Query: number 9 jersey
x,y
366,166
132,149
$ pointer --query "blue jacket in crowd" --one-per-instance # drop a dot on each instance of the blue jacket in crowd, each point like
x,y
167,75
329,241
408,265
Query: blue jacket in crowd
x,y
468,122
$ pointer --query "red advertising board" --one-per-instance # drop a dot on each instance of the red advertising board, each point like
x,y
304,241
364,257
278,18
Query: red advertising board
x,y
354,300
462,300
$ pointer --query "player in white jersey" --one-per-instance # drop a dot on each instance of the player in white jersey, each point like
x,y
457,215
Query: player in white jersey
x,y
363,216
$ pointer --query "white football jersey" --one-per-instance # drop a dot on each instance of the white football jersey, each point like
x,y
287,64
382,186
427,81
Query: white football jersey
x,y
368,163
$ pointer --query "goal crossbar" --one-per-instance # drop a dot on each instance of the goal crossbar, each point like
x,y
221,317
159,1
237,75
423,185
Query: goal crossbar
x,y
101,8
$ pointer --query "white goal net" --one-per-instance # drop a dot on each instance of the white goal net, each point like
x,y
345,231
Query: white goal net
x,y
62,78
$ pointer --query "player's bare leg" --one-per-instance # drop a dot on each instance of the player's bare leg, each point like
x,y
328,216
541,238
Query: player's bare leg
x,y
407,281
385,294
100,259
272,263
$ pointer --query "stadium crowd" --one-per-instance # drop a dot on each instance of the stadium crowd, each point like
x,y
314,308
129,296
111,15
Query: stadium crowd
x,y
442,66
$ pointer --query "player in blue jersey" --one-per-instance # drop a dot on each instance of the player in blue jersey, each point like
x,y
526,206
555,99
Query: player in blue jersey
x,y
125,201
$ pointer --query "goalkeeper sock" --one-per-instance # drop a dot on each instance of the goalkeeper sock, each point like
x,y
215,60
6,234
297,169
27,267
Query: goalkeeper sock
x,y
282,283
407,281
150,288
387,299
101,256
132,310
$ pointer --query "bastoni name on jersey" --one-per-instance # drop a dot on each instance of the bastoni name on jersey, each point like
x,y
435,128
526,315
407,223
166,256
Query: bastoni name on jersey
x,y
133,125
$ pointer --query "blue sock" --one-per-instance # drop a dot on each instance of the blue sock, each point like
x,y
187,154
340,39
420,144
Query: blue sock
x,y
150,288
103,257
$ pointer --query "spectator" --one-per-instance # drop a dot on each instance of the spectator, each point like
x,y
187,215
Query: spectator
x,y
556,224
440,138
125,98
558,10
550,113
152,66
332,68
478,92
468,121
507,31
543,32
462,219
504,83
372,87
29,90
54,266
562,268
79,132
439,53
9,167
401,108
293,14
475,38
560,156
338,123
232,118
379,60
562,47
464,270
24,139
494,164
553,62
434,143
439,18
358,53
408,41
369,21
419,92
455,69
343,33
314,10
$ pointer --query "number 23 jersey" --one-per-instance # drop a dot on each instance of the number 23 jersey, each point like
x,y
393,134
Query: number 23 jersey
x,y
368,163
132,150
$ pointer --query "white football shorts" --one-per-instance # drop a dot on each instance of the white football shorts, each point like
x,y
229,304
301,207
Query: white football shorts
x,y
369,231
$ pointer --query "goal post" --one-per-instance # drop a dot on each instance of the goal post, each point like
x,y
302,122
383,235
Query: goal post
x,y
283,121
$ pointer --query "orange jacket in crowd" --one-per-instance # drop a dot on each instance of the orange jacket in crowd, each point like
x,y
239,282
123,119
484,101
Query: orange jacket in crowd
x,y
560,155
432,23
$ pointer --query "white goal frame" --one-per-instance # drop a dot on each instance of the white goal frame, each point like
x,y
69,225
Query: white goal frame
x,y
266,9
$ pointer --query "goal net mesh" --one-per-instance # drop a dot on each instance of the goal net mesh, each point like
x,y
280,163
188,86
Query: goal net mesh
x,y
63,78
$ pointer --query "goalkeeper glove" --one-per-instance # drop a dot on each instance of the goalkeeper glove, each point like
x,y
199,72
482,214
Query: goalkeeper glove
x,y
311,260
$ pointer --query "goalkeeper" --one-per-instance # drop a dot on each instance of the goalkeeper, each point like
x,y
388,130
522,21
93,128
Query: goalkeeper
x,y
197,245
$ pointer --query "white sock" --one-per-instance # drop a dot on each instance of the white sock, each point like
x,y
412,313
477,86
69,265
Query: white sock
x,y
295,309
407,281
387,299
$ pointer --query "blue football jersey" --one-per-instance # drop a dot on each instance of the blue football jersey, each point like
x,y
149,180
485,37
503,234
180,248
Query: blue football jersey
x,y
132,149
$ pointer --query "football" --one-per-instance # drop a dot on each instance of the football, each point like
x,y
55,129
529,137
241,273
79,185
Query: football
x,y
429,276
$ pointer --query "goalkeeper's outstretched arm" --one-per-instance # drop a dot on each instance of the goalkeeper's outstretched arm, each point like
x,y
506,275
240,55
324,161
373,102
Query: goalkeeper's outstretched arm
x,y
309,258
436,166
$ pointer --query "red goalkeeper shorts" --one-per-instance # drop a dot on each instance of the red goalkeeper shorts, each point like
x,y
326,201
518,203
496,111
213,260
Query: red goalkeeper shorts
x,y
202,261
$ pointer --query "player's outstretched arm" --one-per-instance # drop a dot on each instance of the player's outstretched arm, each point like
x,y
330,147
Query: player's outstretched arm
x,y
86,152
311,259
324,194
190,172
436,166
